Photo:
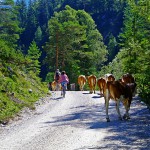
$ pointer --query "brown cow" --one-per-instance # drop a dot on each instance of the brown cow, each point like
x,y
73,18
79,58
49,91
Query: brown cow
x,y
55,86
92,83
101,84
109,77
129,80
118,91
81,82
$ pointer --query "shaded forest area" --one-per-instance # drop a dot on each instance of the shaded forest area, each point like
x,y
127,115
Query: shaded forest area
x,y
123,25
80,37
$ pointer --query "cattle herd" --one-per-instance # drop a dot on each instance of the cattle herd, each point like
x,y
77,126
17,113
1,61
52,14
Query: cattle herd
x,y
118,90
121,90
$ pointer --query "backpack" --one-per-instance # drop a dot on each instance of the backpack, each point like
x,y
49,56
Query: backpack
x,y
57,76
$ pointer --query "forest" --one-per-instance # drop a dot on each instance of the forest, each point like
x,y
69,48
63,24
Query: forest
x,y
78,36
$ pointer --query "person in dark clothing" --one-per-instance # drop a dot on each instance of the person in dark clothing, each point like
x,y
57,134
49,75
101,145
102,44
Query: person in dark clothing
x,y
56,78
57,75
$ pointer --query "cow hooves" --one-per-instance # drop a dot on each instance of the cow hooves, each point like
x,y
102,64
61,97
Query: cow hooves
x,y
108,120
120,118
125,117
128,117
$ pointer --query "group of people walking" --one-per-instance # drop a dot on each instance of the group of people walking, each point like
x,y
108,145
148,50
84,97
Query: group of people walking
x,y
60,78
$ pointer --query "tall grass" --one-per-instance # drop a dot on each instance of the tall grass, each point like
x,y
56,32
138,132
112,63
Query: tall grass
x,y
15,91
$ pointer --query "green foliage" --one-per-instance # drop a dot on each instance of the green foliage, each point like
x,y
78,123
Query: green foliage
x,y
135,41
112,47
14,90
38,35
34,54
75,35
15,78
75,42
107,18
7,107
9,29
134,47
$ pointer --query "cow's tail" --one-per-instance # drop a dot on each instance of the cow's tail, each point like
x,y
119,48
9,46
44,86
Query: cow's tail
x,y
81,85
107,101
94,84
107,93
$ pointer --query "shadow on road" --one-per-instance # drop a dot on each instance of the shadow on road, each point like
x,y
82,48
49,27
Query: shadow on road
x,y
56,98
96,96
124,135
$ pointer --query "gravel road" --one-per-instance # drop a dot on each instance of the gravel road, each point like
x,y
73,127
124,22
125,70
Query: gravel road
x,y
77,122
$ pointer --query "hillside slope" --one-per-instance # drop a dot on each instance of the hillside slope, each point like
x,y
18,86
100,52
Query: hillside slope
x,y
18,88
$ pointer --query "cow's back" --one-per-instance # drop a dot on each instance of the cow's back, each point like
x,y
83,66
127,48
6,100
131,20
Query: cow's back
x,y
92,82
81,81
101,84
109,77
129,80
116,89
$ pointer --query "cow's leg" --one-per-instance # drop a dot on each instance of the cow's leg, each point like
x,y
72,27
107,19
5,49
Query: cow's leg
x,y
101,91
94,89
107,105
81,88
90,90
117,108
127,108
81,85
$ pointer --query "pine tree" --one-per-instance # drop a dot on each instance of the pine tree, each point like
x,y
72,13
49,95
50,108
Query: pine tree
x,y
9,29
135,43
38,36
74,42
34,54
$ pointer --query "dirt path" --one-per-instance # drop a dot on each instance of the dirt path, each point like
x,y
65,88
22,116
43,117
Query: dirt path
x,y
77,123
